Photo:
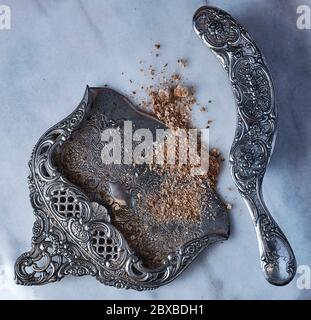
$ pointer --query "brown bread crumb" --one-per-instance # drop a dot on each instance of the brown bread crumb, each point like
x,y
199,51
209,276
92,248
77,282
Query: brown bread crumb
x,y
181,92
182,63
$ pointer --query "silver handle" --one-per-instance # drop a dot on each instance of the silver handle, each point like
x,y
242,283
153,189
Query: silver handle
x,y
255,133
277,257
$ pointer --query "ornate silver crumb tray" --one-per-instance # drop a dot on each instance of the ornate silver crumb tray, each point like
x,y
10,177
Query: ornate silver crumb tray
x,y
91,218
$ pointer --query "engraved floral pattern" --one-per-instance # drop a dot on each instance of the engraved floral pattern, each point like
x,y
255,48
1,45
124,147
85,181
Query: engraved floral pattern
x,y
216,28
251,159
251,79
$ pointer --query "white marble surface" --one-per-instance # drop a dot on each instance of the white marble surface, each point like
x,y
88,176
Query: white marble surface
x,y
57,47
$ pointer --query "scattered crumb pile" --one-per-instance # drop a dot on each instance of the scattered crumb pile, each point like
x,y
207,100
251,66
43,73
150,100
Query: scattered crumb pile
x,y
176,199
173,105
180,194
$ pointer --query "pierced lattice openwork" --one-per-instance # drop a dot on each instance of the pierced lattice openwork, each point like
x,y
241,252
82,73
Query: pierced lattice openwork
x,y
65,204
104,246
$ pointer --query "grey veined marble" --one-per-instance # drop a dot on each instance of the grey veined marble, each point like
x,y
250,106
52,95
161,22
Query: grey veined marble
x,y
55,48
